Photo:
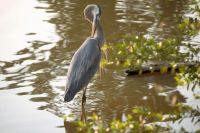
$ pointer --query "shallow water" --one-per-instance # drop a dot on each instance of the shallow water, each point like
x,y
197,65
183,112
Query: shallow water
x,y
38,40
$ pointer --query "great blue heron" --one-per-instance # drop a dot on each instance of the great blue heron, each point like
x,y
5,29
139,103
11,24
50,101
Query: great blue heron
x,y
85,61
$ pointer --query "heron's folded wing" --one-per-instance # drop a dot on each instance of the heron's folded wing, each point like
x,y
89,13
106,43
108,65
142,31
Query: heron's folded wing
x,y
84,65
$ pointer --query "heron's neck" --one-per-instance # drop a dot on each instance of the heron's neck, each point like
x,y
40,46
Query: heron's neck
x,y
99,32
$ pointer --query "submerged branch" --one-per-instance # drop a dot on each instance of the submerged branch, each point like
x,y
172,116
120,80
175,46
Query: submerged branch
x,y
159,67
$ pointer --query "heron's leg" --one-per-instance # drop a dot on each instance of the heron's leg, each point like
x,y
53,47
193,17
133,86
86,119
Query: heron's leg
x,y
84,97
83,116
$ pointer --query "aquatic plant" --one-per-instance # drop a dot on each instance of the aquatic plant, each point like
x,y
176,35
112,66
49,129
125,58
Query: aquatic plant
x,y
141,119
135,51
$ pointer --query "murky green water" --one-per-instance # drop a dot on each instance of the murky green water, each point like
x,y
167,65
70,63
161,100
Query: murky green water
x,y
38,40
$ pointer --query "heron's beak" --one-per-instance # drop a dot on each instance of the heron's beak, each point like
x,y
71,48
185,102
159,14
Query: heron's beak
x,y
96,16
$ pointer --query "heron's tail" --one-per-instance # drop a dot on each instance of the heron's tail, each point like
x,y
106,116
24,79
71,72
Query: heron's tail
x,y
68,94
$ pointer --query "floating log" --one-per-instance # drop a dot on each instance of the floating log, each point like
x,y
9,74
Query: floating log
x,y
159,67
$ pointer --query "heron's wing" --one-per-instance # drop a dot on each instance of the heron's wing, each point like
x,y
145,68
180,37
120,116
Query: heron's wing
x,y
83,66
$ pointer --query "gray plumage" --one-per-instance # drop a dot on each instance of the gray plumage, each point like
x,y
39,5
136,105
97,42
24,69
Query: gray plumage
x,y
84,65
85,62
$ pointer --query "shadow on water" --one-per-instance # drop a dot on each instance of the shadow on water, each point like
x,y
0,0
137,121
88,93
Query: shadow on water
x,y
43,65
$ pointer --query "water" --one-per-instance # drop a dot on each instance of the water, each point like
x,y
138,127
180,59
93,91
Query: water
x,y
38,40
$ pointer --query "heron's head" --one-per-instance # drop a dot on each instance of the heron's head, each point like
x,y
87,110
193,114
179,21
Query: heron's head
x,y
92,12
